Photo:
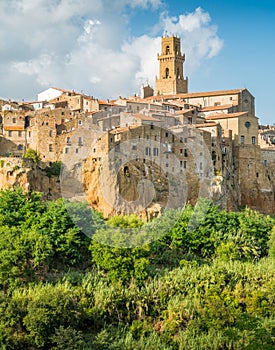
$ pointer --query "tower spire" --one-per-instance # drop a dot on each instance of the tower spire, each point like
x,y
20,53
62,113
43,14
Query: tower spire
x,y
171,79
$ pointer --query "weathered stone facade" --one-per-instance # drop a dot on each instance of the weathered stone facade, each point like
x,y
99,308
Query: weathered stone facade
x,y
143,154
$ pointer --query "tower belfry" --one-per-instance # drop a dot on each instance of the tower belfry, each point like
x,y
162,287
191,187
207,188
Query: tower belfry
x,y
171,80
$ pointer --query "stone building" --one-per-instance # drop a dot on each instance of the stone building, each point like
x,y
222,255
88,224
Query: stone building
x,y
171,79
133,154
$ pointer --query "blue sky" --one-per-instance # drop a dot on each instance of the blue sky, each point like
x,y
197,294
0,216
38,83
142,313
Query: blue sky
x,y
108,48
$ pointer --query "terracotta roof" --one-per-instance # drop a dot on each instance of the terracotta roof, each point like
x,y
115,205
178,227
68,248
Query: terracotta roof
x,y
217,108
145,117
206,125
225,116
197,94
120,130
185,111
14,127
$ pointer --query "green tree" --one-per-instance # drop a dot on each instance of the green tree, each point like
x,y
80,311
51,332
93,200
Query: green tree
x,y
32,154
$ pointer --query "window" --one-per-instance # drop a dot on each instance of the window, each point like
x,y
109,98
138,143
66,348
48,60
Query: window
x,y
152,126
253,139
76,150
134,147
181,140
62,113
80,141
14,120
167,50
80,122
20,147
265,162
50,133
68,140
242,139
178,73
185,164
148,151
30,134
181,150
19,133
156,151
189,120
50,148
66,150
180,163
200,165
185,153
10,133
167,73
166,134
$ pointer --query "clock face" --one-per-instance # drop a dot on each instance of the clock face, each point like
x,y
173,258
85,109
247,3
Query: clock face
x,y
247,124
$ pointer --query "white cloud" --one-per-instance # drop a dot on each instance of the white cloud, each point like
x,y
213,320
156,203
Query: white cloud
x,y
85,45
199,37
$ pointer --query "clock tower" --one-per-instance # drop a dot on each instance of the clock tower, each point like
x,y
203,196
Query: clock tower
x,y
171,80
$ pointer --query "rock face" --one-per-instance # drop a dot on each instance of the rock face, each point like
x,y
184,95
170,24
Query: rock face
x,y
28,175
141,186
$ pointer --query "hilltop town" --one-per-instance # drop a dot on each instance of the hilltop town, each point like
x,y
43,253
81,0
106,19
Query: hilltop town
x,y
143,153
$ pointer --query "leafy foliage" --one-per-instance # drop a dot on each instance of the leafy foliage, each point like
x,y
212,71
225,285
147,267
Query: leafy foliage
x,y
32,154
208,282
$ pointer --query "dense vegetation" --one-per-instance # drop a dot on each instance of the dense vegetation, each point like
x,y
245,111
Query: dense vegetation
x,y
212,287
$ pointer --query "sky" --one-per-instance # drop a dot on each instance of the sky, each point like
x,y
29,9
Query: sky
x,y
108,48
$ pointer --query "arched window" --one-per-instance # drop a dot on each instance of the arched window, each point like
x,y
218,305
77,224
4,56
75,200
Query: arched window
x,y
167,73
20,147
167,51
178,72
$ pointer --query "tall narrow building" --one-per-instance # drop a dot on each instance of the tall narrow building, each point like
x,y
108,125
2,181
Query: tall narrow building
x,y
171,80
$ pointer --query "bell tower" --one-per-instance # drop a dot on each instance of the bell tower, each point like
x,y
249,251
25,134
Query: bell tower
x,y
171,80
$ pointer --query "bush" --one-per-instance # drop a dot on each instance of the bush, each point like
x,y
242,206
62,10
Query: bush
x,y
32,154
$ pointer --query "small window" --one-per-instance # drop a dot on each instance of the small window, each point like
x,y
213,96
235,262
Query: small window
x,y
185,153
14,120
30,133
76,150
185,164
19,133
62,113
80,121
148,151
242,139
50,133
10,133
180,163
166,134
253,139
50,148
167,73
134,147
68,140
156,151
66,150
80,141
20,147
265,162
